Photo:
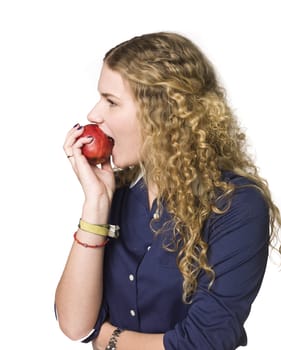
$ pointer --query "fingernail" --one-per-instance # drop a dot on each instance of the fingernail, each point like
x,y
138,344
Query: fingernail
x,y
75,125
80,127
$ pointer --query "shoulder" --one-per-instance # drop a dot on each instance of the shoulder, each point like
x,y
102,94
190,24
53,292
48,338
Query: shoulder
x,y
247,199
246,216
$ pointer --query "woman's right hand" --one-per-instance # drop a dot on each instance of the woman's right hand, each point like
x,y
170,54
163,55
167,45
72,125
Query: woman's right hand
x,y
97,183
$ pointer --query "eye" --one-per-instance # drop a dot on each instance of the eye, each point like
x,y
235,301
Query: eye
x,y
110,102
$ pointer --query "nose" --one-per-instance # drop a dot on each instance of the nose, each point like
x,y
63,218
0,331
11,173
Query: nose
x,y
94,116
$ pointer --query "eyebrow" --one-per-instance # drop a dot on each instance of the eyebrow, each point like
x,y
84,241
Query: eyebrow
x,y
105,94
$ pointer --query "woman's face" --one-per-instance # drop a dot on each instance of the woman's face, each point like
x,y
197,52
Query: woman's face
x,y
116,115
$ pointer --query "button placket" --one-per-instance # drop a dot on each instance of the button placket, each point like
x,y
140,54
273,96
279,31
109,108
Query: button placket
x,y
133,307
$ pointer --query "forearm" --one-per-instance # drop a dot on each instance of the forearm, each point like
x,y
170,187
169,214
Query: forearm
x,y
140,341
128,340
79,292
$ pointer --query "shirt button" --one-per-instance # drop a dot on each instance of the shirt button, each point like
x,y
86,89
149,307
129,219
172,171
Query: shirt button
x,y
131,277
133,313
148,248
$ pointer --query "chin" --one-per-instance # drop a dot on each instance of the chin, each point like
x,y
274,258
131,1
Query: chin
x,y
117,164
122,163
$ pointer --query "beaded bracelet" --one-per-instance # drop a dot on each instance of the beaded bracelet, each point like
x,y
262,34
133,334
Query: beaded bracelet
x,y
101,230
113,339
86,245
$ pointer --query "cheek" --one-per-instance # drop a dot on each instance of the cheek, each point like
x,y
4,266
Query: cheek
x,y
127,137
126,152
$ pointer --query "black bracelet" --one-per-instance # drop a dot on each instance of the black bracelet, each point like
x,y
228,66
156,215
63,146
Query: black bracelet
x,y
113,339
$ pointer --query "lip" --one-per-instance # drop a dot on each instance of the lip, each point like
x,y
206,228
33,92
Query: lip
x,y
111,139
108,136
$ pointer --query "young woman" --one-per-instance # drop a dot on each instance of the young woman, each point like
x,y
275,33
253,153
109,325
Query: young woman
x,y
195,218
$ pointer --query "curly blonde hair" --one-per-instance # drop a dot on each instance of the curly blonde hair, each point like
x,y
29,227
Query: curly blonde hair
x,y
194,135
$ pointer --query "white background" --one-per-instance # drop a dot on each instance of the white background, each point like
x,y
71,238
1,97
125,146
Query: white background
x,y
50,58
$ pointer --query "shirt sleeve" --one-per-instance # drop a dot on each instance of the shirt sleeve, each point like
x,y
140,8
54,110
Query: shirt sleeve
x,y
238,251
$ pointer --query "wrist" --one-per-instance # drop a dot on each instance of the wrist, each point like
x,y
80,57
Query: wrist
x,y
105,230
95,213
113,340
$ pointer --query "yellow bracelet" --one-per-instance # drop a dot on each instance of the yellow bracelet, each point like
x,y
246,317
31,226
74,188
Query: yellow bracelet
x,y
101,230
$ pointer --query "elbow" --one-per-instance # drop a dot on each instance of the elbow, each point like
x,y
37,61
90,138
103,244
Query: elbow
x,y
74,330
75,333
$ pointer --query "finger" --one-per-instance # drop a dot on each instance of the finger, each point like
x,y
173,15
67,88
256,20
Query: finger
x,y
71,138
76,156
71,133
79,143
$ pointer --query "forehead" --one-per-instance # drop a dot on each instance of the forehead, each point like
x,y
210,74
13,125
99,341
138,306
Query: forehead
x,y
112,82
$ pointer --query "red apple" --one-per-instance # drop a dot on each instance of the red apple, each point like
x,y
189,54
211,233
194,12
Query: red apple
x,y
99,149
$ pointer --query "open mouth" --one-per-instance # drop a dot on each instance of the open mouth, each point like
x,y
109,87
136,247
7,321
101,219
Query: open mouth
x,y
110,139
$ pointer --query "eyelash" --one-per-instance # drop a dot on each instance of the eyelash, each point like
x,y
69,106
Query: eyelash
x,y
111,103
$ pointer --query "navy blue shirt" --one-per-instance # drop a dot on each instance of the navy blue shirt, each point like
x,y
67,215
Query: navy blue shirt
x,y
143,286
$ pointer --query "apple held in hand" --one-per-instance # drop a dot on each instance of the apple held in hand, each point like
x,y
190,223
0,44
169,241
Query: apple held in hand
x,y
99,149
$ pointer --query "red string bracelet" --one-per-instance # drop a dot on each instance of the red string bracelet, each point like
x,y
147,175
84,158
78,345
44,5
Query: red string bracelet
x,y
86,245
